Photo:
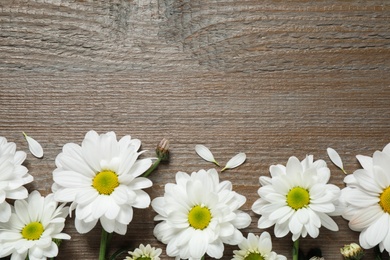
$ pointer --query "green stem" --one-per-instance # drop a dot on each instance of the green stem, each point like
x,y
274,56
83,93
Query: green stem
x,y
296,249
378,254
118,253
103,245
151,169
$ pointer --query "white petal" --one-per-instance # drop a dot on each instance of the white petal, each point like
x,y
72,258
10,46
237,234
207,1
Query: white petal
x,y
5,210
198,244
215,249
84,227
236,161
328,222
34,146
378,230
335,158
205,153
365,161
281,230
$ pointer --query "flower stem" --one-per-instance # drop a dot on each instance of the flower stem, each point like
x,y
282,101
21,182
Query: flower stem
x,y
151,169
378,254
103,244
296,249
118,253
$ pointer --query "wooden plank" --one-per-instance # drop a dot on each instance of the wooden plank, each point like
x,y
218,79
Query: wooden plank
x,y
269,78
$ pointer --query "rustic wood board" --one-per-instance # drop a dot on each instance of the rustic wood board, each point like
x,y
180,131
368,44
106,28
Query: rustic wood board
x,y
269,78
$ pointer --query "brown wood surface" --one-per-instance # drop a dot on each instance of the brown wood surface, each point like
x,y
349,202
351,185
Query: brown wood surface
x,y
269,78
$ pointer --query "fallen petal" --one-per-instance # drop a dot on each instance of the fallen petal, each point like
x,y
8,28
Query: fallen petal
x,y
237,160
205,153
34,147
335,158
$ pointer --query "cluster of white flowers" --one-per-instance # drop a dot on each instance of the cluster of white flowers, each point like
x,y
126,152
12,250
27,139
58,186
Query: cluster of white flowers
x,y
103,179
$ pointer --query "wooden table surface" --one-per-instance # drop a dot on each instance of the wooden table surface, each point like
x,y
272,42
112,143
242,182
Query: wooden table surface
x,y
269,78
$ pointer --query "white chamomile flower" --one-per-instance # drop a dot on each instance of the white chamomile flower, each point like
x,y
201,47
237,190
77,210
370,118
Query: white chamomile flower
x,y
144,253
13,175
297,199
256,248
205,153
33,225
199,214
101,179
236,161
367,198
34,147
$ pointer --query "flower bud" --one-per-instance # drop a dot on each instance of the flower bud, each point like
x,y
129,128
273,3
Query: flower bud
x,y
352,252
162,150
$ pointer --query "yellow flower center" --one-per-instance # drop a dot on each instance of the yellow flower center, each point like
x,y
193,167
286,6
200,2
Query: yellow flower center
x,y
384,200
32,231
254,256
105,182
298,198
199,217
143,258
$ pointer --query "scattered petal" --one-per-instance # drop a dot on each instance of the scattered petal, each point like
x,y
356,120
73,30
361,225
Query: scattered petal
x,y
34,147
205,153
236,161
335,158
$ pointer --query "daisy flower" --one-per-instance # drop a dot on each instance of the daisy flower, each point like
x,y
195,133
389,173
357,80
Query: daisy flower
x,y
144,253
13,175
367,197
255,247
33,225
198,215
297,199
101,179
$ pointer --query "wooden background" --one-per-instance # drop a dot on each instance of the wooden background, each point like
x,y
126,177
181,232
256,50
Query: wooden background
x,y
269,78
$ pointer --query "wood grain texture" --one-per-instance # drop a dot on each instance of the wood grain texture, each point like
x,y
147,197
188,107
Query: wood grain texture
x,y
269,78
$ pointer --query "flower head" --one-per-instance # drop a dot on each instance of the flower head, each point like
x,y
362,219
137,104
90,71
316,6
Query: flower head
x,y
256,248
352,252
144,253
13,175
367,198
101,179
33,225
297,198
198,215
